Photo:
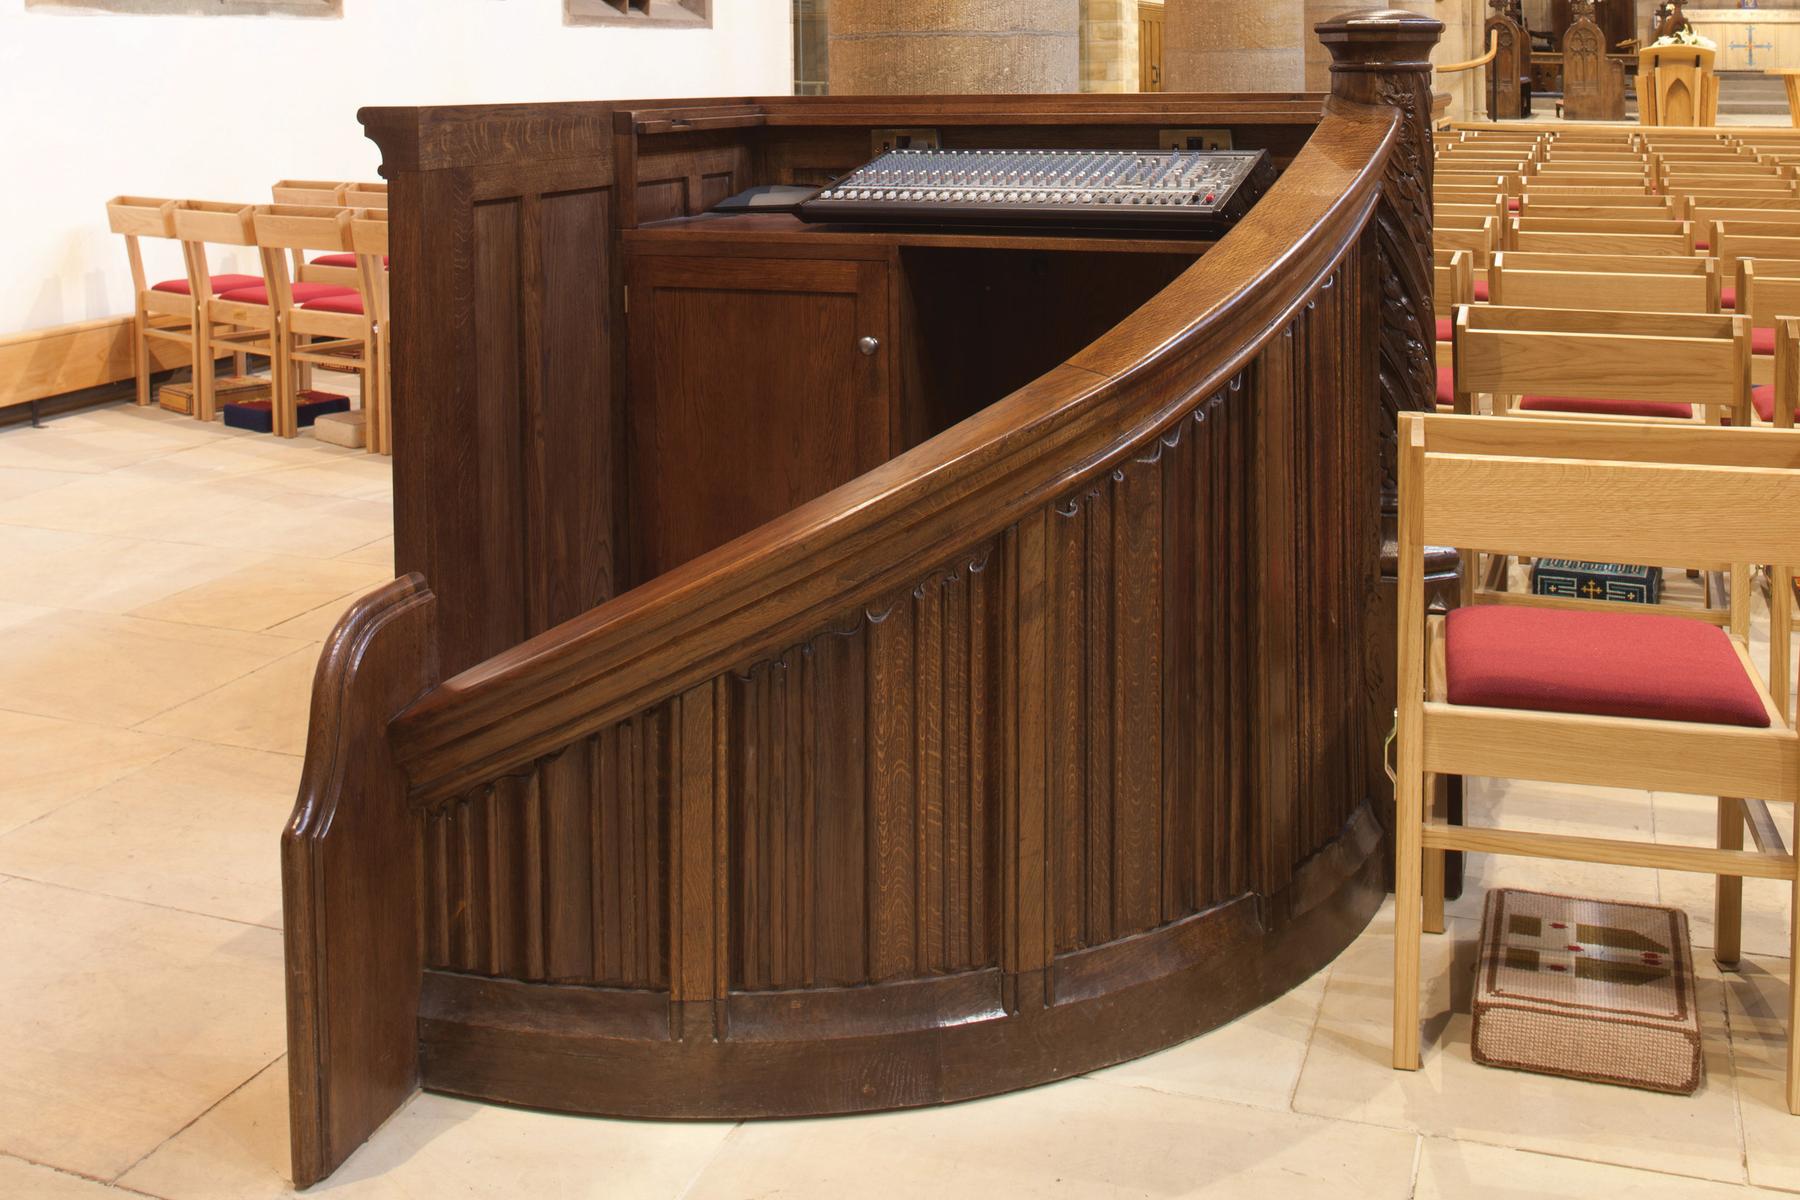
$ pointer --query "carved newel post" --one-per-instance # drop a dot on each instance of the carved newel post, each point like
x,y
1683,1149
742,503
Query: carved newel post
x,y
1384,57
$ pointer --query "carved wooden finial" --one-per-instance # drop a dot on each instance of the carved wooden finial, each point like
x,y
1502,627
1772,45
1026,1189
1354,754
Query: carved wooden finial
x,y
1382,42
1583,10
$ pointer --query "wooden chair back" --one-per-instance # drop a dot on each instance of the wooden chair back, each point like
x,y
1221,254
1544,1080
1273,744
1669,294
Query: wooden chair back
x,y
1480,240
1562,241
1452,280
1557,198
1734,240
310,192
135,217
284,231
1675,358
1643,226
1612,283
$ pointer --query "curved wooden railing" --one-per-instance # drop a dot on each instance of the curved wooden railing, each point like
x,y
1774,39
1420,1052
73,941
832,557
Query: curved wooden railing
x,y
771,587
1471,64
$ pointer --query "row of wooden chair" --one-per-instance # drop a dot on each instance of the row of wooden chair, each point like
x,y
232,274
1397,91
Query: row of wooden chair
x,y
319,299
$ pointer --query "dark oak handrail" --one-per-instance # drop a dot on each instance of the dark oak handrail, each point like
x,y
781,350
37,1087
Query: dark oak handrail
x,y
848,547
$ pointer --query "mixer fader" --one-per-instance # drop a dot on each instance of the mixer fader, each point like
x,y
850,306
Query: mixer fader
x,y
1203,190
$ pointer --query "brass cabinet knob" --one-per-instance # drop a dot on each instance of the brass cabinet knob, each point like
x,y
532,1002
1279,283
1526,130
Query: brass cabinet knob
x,y
868,345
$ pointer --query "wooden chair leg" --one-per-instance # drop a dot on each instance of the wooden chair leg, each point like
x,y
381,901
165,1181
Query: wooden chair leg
x,y
1793,1013
140,355
1408,858
1433,893
1499,572
205,374
1728,890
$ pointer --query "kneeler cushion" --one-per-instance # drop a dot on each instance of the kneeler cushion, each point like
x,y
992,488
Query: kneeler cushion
x,y
1615,408
1601,664
1762,398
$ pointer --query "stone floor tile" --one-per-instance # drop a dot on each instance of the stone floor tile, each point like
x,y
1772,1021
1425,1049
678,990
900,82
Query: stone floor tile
x,y
1348,1073
46,763
267,593
197,830
435,1146
122,670
1254,1060
1450,1170
121,1022
1080,1139
263,710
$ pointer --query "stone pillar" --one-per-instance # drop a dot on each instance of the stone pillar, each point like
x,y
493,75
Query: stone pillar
x,y
1235,46
1453,14
926,47
1109,46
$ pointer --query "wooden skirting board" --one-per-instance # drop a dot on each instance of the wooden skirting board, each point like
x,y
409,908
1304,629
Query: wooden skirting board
x,y
40,363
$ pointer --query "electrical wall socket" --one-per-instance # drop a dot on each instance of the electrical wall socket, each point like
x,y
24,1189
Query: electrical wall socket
x,y
1194,139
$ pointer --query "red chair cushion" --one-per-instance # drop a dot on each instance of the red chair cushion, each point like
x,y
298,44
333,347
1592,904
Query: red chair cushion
x,y
1444,327
1762,399
1481,291
341,260
1446,389
1762,340
1611,408
350,302
1728,296
220,283
1512,204
304,293
1601,664
1699,245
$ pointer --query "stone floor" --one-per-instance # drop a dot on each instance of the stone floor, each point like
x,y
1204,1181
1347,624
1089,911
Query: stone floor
x,y
164,588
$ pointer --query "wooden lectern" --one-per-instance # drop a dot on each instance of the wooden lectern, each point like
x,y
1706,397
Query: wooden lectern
x,y
1677,86
1593,80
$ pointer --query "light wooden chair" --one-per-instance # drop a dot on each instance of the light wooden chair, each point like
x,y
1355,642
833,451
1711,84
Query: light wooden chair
x,y
333,331
165,311
241,319
1529,687
1763,298
1734,240
369,240
1564,241
1479,237
1535,207
1595,365
322,193
1611,282
1452,285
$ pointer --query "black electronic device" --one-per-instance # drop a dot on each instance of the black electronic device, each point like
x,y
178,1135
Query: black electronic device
x,y
1174,190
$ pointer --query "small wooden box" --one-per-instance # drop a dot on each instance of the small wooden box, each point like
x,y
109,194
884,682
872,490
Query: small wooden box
x,y
179,397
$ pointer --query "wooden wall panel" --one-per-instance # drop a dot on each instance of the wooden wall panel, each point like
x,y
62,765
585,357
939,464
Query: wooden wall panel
x,y
559,875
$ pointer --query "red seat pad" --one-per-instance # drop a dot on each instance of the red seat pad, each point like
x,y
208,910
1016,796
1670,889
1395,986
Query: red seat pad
x,y
1762,340
1512,204
1699,245
1762,399
220,283
1481,290
1728,296
341,260
304,293
1444,327
350,303
1601,664
1446,390
1611,408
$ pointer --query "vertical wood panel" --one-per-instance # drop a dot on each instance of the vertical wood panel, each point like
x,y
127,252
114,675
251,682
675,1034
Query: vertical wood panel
x,y
1137,699
698,780
892,795
567,814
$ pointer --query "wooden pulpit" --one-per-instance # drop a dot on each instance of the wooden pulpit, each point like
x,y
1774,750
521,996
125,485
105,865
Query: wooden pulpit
x,y
1677,86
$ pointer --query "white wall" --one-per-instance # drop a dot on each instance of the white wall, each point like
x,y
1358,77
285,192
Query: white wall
x,y
94,105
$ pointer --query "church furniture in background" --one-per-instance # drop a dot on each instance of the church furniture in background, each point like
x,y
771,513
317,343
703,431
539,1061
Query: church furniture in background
x,y
967,774
334,330
1483,690
1790,78
166,311
1749,39
1509,71
1593,77
1676,85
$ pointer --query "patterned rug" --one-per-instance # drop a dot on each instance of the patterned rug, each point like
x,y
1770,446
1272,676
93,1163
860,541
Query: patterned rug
x,y
1589,989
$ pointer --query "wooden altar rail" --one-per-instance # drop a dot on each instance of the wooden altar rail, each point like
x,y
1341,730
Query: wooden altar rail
x,y
1047,743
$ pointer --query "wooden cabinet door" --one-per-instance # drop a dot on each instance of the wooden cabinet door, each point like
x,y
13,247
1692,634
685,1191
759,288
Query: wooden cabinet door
x,y
1150,48
752,391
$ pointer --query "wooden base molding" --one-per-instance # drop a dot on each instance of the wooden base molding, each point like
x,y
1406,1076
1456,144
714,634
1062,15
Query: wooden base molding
x,y
41,363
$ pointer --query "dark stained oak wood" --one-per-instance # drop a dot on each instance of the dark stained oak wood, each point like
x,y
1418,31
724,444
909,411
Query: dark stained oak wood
x,y
1023,729
351,885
